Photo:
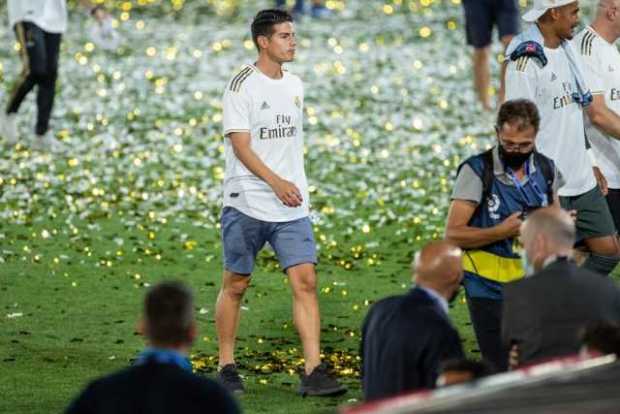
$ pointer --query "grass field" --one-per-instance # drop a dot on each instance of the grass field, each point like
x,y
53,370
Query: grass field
x,y
135,198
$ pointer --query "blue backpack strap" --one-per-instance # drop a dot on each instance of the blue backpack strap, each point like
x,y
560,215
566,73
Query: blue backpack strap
x,y
482,165
547,168
530,49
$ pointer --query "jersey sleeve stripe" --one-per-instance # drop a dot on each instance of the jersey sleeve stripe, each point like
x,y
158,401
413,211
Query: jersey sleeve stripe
x,y
237,77
241,80
522,63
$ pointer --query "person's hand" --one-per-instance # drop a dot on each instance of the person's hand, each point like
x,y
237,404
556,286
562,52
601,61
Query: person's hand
x,y
601,180
512,224
573,215
287,192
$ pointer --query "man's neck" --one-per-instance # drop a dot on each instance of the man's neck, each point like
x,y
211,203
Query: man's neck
x,y
268,67
552,40
604,30
181,349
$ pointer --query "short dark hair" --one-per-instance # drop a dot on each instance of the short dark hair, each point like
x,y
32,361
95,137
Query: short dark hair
x,y
265,20
478,369
603,337
169,313
519,112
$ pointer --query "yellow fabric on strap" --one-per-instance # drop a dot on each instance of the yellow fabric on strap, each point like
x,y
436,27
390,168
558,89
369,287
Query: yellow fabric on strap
x,y
492,267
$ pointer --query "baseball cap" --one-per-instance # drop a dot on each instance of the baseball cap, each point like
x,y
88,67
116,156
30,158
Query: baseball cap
x,y
540,7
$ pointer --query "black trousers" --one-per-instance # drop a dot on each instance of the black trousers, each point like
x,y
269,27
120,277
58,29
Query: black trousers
x,y
486,316
39,52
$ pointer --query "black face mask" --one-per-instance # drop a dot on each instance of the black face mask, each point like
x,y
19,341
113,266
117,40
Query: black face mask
x,y
513,160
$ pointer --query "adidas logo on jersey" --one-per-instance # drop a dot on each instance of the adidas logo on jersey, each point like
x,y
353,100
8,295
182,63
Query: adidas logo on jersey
x,y
264,106
553,77
611,68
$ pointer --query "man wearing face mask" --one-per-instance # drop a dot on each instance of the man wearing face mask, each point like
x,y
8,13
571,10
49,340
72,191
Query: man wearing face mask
x,y
545,312
493,191
405,338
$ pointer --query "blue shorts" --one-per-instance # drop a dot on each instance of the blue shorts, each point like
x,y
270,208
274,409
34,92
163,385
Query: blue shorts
x,y
243,237
482,15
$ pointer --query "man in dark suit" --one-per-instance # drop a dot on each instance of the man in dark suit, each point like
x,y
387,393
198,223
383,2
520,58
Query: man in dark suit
x,y
406,337
161,380
545,312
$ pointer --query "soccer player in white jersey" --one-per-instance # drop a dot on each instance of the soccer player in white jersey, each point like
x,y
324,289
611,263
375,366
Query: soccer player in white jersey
x,y
596,44
561,136
38,26
266,197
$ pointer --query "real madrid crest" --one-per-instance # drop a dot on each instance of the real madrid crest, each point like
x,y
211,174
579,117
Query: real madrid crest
x,y
297,102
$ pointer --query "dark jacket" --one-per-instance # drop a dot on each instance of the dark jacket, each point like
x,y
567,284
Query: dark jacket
x,y
404,339
153,388
544,313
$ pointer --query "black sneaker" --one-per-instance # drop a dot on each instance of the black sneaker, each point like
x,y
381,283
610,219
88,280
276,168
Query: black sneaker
x,y
230,379
320,383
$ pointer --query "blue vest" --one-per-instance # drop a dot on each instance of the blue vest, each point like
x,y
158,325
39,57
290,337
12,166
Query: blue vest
x,y
500,262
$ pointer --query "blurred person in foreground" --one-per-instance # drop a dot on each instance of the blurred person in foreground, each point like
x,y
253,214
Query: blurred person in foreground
x,y
492,194
544,312
600,338
406,337
161,379
460,371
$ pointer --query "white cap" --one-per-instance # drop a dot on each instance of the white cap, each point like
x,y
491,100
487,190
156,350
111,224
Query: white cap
x,y
541,6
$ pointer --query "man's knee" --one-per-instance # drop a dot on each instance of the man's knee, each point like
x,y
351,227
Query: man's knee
x,y
235,286
304,281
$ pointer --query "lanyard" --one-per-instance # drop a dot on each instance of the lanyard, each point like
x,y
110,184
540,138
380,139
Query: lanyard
x,y
540,195
164,356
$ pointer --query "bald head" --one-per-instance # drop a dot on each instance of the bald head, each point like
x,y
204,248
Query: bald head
x,y
552,223
439,266
547,232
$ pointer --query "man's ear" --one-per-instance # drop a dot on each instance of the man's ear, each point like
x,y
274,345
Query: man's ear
x,y
263,41
141,327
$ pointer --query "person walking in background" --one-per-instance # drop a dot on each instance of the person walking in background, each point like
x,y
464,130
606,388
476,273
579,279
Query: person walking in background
x,y
161,379
39,26
406,337
493,192
545,312
317,10
480,18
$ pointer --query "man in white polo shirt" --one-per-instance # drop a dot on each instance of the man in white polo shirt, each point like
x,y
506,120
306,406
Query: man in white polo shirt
x,y
595,44
38,26
266,197
544,67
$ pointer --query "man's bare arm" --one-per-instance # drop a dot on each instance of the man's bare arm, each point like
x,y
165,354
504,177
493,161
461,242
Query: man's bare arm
x,y
604,118
460,233
285,190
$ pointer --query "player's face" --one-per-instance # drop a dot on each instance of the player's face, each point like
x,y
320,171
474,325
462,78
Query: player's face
x,y
567,20
280,46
